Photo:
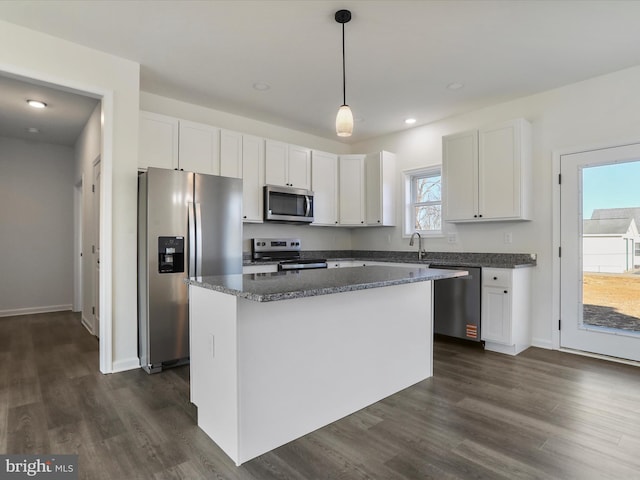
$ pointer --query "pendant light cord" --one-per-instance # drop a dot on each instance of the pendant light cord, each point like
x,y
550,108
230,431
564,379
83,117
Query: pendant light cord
x,y
344,75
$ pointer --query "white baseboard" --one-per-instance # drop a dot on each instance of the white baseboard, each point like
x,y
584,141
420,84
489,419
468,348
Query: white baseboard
x,y
124,365
86,323
34,310
542,343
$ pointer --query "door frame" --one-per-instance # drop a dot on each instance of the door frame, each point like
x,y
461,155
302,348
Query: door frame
x,y
555,258
106,98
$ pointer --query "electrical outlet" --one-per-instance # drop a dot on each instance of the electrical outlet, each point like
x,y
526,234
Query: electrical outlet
x,y
451,238
508,237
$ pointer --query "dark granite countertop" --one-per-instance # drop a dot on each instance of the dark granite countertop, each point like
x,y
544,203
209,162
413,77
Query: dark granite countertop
x,y
487,260
268,287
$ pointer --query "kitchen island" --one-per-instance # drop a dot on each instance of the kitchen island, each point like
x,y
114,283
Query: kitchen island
x,y
275,356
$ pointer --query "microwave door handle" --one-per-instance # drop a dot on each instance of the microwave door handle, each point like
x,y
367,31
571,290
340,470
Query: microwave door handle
x,y
192,240
307,202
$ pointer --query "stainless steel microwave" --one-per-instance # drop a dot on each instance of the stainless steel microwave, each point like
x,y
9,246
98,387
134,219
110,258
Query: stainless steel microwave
x,y
288,204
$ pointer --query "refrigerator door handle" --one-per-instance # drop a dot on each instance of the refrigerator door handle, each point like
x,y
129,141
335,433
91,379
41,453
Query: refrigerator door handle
x,y
198,239
192,240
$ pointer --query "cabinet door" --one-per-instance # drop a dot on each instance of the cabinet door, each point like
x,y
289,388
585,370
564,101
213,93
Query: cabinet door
x,y
276,159
496,314
158,141
199,148
460,176
351,189
230,154
324,183
252,178
499,172
380,174
299,167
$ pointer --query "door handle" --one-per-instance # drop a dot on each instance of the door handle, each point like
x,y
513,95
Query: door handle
x,y
192,240
198,240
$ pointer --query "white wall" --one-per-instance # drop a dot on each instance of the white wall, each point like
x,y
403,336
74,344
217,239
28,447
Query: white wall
x,y
601,110
607,254
35,55
36,233
195,113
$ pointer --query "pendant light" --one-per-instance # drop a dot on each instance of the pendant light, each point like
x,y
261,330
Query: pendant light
x,y
344,119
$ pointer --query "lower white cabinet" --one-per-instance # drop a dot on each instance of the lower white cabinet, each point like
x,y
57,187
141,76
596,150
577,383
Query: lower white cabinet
x,y
506,317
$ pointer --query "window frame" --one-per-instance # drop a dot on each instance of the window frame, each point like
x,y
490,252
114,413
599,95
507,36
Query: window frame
x,y
409,204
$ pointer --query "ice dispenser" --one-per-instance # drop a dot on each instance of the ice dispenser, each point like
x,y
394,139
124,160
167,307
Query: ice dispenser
x,y
170,254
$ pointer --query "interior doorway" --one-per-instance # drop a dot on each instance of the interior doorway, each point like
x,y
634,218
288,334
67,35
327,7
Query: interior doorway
x,y
599,281
64,122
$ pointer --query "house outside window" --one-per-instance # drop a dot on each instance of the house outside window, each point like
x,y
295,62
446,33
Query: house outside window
x,y
423,201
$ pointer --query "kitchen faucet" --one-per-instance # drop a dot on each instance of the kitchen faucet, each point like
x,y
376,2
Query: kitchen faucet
x,y
421,252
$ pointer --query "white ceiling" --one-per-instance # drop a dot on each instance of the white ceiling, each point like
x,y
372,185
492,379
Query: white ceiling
x,y
60,122
401,55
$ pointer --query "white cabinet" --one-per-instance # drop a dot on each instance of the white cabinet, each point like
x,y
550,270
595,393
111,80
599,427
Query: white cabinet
x,y
198,148
324,183
367,189
230,154
252,178
158,141
351,187
287,165
505,316
380,174
167,142
486,174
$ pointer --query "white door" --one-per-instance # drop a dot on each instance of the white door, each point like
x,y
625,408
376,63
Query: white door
x,y
600,294
96,248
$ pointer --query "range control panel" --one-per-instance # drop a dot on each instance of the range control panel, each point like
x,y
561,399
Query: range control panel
x,y
267,248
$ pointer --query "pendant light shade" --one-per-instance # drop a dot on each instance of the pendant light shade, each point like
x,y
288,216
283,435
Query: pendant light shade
x,y
344,119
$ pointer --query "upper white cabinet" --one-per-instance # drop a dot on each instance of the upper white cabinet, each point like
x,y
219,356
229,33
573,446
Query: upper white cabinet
x,y
380,174
351,189
158,141
324,183
287,165
252,178
230,154
198,148
167,142
486,173
367,189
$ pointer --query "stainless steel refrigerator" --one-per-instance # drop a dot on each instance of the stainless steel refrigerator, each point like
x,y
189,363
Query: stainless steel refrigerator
x,y
189,225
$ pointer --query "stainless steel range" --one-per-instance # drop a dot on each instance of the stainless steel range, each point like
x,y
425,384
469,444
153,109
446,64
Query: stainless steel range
x,y
287,251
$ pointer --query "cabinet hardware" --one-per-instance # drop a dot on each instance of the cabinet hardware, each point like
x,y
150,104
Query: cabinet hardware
x,y
506,291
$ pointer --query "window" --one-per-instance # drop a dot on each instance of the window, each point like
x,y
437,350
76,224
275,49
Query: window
x,y
423,195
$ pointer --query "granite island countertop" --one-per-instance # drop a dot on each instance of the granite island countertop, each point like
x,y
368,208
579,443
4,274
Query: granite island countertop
x,y
269,287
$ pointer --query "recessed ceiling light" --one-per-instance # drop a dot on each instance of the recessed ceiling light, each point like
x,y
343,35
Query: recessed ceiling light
x,y
36,103
409,121
455,86
33,130
261,87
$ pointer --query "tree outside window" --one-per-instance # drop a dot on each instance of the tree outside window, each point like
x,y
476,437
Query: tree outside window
x,y
424,212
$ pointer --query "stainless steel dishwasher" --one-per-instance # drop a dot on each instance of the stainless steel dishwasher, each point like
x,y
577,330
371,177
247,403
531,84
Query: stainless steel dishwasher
x,y
456,304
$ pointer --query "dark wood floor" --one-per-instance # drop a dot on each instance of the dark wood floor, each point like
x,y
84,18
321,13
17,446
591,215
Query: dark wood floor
x,y
543,414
